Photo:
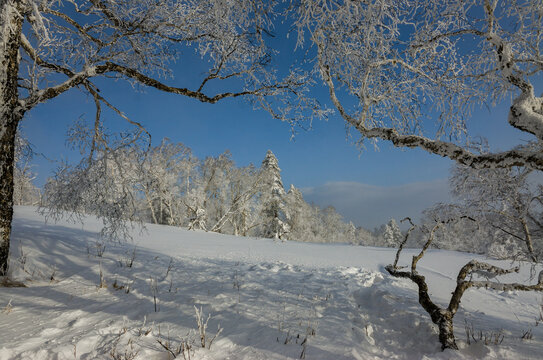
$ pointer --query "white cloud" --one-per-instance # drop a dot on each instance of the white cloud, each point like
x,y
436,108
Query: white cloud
x,y
370,206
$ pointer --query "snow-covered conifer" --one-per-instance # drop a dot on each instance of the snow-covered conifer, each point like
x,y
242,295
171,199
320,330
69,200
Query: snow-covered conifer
x,y
274,216
392,234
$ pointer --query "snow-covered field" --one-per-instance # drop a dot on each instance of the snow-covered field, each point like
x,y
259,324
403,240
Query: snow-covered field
x,y
273,300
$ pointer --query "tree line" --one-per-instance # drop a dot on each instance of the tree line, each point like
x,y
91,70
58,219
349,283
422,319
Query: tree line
x,y
167,184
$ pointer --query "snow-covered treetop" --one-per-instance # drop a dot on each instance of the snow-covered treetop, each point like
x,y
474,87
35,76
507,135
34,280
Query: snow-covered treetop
x,y
272,174
295,192
270,162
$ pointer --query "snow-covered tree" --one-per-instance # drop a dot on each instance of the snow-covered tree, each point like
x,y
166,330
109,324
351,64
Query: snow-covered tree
x,y
25,192
49,47
365,237
161,174
274,224
241,215
334,229
497,212
217,175
506,206
300,216
104,185
222,197
350,235
198,219
392,234
474,274
469,236
390,67
310,223
506,201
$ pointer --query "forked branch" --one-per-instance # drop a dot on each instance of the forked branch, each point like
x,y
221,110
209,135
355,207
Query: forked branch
x,y
443,317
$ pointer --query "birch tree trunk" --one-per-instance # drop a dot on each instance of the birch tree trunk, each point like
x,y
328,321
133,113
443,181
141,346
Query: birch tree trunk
x,y
10,115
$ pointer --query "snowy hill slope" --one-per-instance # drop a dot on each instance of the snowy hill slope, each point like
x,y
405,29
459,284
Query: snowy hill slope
x,y
273,300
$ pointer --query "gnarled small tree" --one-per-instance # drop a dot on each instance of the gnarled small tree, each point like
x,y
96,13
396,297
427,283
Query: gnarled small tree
x,y
443,317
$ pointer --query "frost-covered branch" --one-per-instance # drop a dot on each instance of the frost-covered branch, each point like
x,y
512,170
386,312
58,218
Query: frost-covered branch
x,y
138,40
531,159
489,271
393,69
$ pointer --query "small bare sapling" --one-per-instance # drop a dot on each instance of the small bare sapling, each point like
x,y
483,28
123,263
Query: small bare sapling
x,y
202,328
103,283
154,292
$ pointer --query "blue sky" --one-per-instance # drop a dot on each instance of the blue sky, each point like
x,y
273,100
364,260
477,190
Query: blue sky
x,y
366,187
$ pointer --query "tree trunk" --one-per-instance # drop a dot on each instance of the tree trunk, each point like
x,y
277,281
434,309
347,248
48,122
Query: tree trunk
x,y
528,240
150,205
446,331
10,115
443,318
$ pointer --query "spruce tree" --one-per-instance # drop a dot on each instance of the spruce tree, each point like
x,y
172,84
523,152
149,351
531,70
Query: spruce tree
x,y
274,223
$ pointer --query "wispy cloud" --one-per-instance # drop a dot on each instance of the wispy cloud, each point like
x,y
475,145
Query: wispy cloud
x,y
369,205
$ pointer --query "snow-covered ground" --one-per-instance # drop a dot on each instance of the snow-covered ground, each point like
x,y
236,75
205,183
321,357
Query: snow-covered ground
x,y
273,300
